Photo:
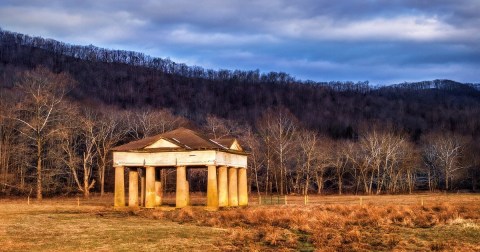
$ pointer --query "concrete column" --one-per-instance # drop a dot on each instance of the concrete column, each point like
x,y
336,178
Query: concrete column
x,y
232,187
142,186
158,193
212,189
119,200
150,187
182,187
222,186
187,185
242,187
132,187
158,188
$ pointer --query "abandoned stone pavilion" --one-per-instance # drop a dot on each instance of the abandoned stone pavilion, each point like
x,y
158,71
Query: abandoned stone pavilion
x,y
180,149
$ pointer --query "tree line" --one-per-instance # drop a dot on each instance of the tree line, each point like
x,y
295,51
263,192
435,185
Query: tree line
x,y
334,108
141,99
51,144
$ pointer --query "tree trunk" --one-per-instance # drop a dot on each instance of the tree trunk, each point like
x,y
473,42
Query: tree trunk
x,y
102,185
39,170
281,178
446,179
297,183
102,178
379,181
256,181
319,178
163,178
370,190
429,180
268,170
339,184
307,179
86,192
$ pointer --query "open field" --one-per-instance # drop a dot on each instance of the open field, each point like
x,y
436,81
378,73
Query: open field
x,y
56,226
392,222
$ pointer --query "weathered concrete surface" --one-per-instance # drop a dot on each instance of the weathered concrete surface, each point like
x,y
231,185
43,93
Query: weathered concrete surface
x,y
182,187
183,158
119,200
242,187
158,193
222,186
132,187
212,189
150,187
232,186
142,186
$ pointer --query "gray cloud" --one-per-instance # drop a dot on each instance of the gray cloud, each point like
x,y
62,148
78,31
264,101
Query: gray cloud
x,y
380,40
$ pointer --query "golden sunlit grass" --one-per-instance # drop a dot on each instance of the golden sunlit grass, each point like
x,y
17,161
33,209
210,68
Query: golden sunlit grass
x,y
383,223
57,226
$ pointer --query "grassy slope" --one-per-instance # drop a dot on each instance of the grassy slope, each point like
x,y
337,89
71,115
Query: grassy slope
x,y
445,222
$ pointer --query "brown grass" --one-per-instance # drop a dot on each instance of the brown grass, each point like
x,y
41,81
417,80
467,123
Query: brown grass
x,y
339,227
382,223
55,225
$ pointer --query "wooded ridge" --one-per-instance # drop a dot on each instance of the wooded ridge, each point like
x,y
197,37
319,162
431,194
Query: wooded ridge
x,y
64,106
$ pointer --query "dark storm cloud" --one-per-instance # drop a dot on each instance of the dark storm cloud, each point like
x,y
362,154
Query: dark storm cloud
x,y
382,41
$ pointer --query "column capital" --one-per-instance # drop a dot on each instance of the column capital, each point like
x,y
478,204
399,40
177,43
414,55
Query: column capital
x,y
236,167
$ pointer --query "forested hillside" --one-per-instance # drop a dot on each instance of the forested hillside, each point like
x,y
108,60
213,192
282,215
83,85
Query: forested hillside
x,y
304,136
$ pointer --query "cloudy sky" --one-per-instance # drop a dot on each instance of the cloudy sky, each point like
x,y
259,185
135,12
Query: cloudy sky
x,y
382,41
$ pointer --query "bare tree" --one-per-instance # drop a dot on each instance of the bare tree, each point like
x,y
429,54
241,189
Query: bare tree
x,y
445,151
431,167
322,161
145,123
40,110
256,159
7,144
282,126
69,139
266,141
380,159
370,159
472,156
219,127
308,141
339,160
78,143
88,154
108,132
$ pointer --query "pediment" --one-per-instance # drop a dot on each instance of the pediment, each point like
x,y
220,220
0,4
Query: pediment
x,y
162,143
236,146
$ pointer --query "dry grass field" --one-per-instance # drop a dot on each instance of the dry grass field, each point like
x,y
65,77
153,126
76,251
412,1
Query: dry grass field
x,y
445,222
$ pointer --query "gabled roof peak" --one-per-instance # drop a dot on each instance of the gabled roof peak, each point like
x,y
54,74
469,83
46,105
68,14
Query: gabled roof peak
x,y
179,139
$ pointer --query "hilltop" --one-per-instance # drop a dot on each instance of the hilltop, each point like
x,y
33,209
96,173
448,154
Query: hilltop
x,y
133,80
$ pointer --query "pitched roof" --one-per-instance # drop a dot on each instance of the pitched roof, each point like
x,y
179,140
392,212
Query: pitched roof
x,y
184,138
226,142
